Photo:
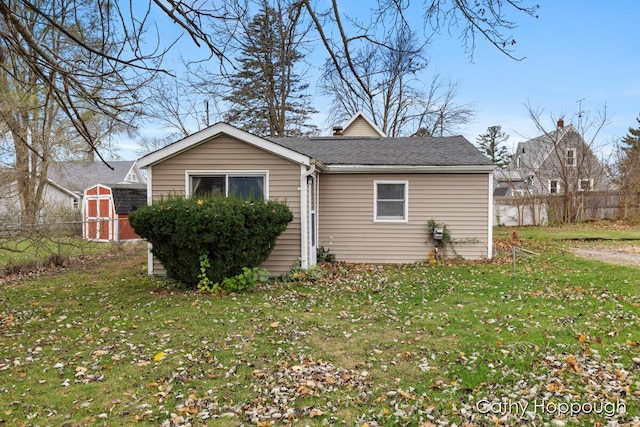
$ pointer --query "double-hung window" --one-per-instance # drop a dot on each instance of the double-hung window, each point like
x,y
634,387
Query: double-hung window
x,y
585,185
390,201
571,157
244,185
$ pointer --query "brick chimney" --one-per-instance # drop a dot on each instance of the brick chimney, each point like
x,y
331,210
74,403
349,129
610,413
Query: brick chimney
x,y
337,130
560,123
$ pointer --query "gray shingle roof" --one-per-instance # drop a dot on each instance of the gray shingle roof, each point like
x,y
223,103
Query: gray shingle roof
x,y
76,176
128,197
402,151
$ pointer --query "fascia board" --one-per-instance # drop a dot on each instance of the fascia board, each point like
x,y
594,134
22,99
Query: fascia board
x,y
214,131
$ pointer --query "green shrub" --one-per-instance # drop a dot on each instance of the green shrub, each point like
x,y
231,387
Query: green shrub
x,y
232,233
245,281
324,255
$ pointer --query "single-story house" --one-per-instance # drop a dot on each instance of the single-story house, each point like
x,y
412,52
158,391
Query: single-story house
x,y
363,196
106,209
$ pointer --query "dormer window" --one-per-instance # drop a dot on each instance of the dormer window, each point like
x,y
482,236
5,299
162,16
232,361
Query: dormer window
x,y
132,177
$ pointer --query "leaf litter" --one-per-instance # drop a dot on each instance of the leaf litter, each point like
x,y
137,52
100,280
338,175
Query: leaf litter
x,y
362,345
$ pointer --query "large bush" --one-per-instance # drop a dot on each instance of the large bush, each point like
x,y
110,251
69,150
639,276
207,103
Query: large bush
x,y
231,232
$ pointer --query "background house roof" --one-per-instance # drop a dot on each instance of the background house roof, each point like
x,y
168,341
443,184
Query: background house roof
x,y
532,153
76,176
402,151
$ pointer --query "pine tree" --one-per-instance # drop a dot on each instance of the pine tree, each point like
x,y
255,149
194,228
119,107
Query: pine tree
x,y
491,144
632,139
629,168
268,97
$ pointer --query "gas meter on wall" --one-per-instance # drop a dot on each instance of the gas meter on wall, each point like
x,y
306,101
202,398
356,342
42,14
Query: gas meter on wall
x,y
438,234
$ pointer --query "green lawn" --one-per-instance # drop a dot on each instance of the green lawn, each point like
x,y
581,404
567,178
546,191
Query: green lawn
x,y
33,252
102,343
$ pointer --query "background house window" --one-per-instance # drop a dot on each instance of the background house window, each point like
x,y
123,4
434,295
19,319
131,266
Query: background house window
x,y
553,186
390,200
246,187
571,157
585,185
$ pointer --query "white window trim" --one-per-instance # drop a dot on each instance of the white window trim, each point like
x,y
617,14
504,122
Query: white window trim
x,y
406,202
227,173
557,186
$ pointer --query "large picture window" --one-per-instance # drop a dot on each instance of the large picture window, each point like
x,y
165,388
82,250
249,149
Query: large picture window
x,y
244,185
390,201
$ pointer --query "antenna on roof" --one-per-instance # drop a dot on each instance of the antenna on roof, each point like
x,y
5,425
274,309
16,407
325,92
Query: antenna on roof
x,y
579,101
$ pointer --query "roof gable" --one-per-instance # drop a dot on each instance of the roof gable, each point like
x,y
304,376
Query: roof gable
x,y
361,125
532,154
215,131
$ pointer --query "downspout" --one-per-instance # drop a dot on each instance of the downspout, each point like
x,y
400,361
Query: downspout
x,y
490,219
304,215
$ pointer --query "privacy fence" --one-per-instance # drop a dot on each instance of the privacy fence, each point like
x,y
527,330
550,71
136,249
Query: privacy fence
x,y
549,209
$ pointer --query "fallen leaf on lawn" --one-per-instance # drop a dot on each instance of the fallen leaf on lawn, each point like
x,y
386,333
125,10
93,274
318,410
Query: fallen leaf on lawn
x,y
573,363
158,357
552,387
404,394
631,342
275,324
315,413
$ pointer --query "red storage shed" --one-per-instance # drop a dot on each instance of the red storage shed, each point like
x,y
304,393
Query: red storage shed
x,y
106,211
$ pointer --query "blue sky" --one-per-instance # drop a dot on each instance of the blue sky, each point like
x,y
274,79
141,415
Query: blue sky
x,y
577,50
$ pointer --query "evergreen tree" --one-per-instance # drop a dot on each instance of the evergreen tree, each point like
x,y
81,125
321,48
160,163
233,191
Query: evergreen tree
x,y
632,139
491,143
629,169
268,97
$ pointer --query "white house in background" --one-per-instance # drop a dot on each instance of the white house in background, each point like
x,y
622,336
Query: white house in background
x,y
67,182
547,172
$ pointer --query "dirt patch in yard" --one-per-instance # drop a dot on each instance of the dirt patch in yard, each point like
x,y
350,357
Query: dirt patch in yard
x,y
618,254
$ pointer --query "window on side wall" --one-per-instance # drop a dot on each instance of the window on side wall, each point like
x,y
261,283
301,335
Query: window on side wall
x,y
243,185
390,201
585,185
553,186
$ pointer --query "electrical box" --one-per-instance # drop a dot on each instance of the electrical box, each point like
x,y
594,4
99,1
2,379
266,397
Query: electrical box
x,y
438,234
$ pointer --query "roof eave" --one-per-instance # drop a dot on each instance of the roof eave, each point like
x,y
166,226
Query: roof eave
x,y
409,169
213,132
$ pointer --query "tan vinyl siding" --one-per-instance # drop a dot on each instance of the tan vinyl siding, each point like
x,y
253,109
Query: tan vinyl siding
x,y
360,127
346,224
225,153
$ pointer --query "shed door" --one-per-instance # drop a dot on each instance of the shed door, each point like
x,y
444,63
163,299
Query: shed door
x,y
98,216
